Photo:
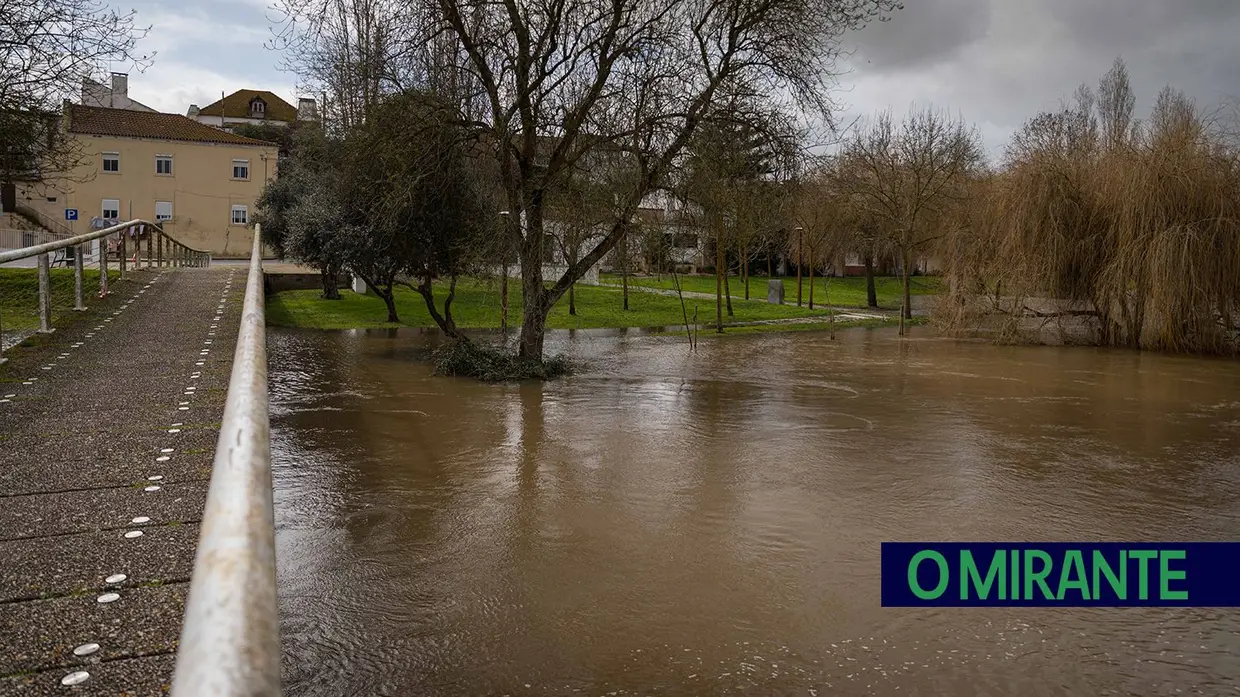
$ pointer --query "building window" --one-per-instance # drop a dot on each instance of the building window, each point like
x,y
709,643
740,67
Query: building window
x,y
111,209
111,162
163,210
240,215
257,107
241,169
163,164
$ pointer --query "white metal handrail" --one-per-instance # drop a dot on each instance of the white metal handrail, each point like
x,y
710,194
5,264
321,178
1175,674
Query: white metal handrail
x,y
161,250
47,247
230,641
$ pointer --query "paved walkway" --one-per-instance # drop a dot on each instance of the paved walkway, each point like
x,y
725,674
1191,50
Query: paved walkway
x,y
107,432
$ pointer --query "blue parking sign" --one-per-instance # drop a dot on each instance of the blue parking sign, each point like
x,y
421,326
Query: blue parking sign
x,y
71,214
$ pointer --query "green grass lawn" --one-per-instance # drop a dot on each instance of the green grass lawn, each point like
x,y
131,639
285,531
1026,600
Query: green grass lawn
x,y
848,291
477,305
19,295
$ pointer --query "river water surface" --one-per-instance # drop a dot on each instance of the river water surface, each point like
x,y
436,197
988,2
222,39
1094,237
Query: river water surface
x,y
674,524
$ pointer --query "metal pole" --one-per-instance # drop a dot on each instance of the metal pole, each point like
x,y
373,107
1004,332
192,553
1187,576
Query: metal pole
x,y
122,247
77,275
45,295
159,250
150,241
103,275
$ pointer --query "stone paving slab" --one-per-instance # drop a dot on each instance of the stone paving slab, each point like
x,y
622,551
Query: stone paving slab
x,y
131,677
43,515
107,471
53,451
40,635
57,566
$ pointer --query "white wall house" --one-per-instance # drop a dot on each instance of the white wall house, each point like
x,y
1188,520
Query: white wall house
x,y
113,96
253,107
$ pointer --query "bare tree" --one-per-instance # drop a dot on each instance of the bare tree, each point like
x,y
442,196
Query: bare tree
x,y
1115,104
47,47
906,176
629,79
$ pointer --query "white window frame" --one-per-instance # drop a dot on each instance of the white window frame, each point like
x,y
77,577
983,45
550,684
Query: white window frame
x,y
158,160
103,209
163,216
241,163
114,156
245,215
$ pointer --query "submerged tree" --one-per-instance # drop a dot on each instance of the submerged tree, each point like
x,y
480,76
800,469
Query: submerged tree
x,y
629,77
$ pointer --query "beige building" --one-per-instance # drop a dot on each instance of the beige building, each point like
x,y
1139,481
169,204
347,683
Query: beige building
x,y
200,182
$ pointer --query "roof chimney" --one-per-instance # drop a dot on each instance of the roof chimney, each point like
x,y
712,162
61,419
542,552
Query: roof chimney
x,y
307,110
120,84
193,111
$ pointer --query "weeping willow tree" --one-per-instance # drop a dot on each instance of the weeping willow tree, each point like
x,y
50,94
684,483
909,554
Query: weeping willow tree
x,y
1105,229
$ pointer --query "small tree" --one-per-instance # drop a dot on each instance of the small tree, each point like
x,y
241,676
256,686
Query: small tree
x,y
907,175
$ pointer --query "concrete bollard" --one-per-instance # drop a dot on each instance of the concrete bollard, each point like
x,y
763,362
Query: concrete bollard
x,y
775,291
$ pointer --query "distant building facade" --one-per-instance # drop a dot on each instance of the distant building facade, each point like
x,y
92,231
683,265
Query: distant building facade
x,y
112,96
200,182
253,107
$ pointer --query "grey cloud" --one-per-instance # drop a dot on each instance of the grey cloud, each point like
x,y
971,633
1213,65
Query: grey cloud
x,y
924,32
1030,56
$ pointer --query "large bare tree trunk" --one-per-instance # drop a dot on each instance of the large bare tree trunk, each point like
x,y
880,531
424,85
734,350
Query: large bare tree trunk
x,y
533,294
871,293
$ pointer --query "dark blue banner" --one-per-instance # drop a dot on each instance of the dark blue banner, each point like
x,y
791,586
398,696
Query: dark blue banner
x,y
1061,574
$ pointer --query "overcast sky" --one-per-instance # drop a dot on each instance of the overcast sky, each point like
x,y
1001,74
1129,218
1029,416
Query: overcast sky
x,y
995,62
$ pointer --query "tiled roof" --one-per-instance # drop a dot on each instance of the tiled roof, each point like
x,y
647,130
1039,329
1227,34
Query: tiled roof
x,y
142,124
237,105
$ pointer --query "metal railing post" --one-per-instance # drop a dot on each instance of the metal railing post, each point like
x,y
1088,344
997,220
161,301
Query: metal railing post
x,y
150,242
78,264
122,248
103,273
159,250
45,295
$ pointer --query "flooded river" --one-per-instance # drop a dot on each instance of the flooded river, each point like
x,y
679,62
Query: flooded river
x,y
672,524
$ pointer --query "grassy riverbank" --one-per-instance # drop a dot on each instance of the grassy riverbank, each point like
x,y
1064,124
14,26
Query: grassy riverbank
x,y
477,306
19,295
848,291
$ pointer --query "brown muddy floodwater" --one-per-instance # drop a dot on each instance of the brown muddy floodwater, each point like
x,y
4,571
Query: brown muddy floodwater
x,y
672,524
